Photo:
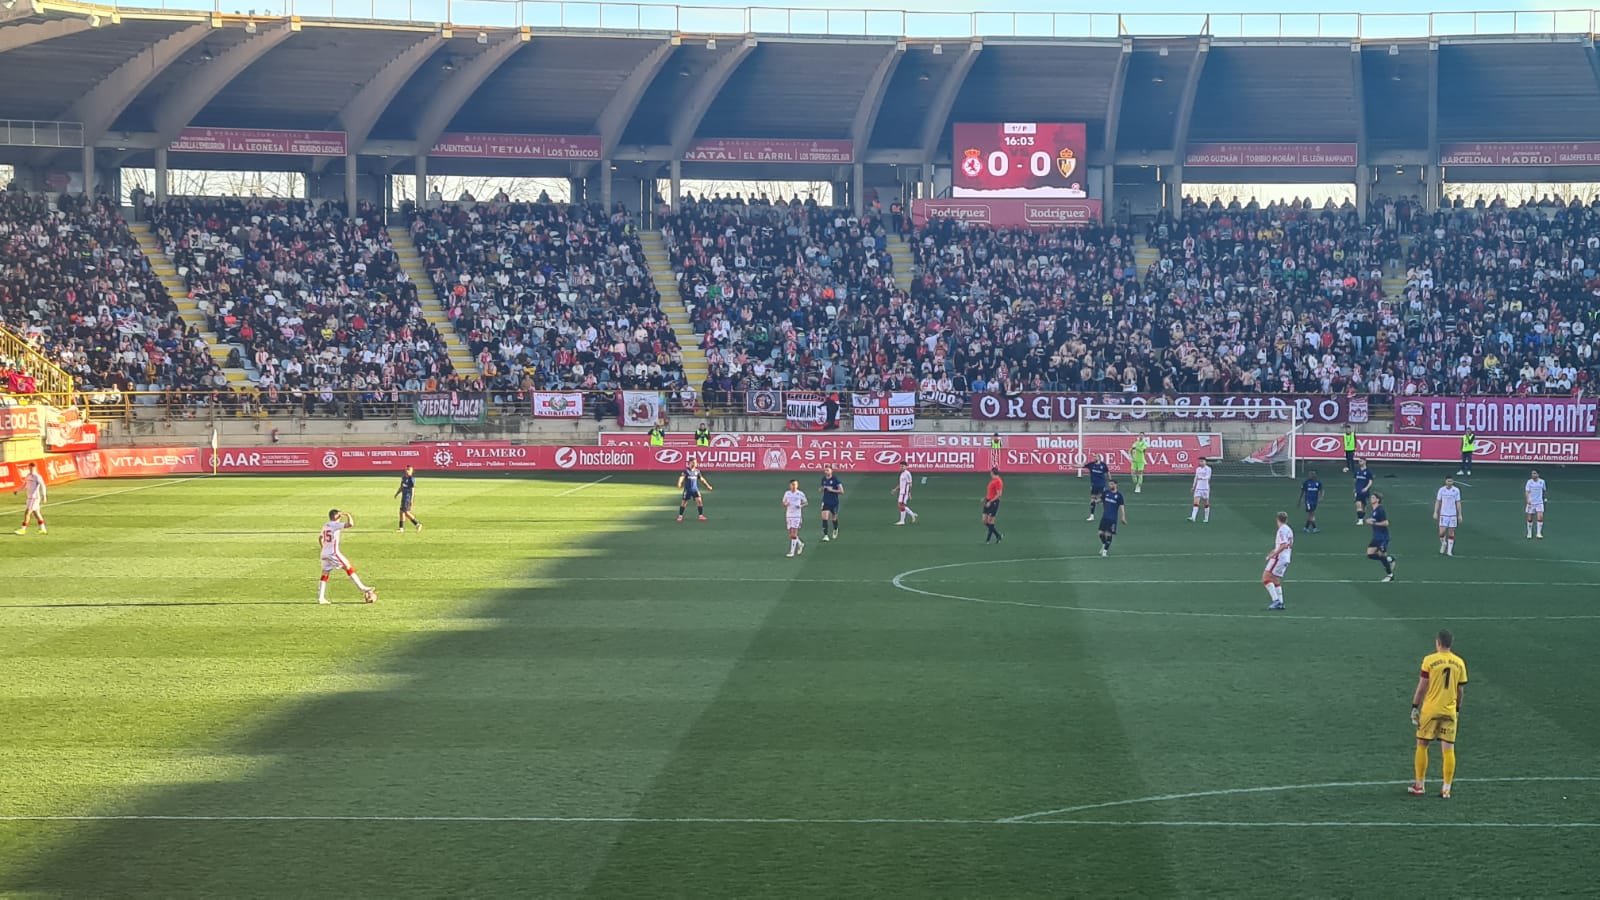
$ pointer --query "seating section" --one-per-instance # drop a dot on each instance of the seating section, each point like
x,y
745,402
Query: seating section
x,y
74,284
316,299
1214,298
789,295
549,296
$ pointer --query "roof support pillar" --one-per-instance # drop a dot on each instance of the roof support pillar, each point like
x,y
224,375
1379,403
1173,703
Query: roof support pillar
x,y
1434,177
700,100
179,107
1108,173
457,90
943,102
1180,125
163,177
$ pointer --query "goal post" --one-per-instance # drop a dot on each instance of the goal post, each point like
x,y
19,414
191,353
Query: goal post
x,y
1236,441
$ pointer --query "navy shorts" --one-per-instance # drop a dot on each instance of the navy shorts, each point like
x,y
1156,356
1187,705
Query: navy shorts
x,y
405,503
1311,506
1379,544
1108,526
1363,497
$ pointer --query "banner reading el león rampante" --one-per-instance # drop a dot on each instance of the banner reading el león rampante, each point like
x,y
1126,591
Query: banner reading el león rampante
x,y
1502,416
451,408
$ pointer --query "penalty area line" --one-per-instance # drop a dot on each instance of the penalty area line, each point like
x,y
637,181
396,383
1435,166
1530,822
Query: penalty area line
x,y
51,504
601,480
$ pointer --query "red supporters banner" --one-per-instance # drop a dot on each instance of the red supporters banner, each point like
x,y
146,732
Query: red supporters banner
x,y
21,422
1287,156
260,140
761,150
517,146
1013,213
1513,416
805,410
1566,153
1436,448
1225,407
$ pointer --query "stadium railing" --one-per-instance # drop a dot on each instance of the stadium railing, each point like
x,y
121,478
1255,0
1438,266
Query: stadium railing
x,y
129,406
51,383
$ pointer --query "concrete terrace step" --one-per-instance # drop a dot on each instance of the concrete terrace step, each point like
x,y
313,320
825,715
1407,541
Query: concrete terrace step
x,y
405,250
188,309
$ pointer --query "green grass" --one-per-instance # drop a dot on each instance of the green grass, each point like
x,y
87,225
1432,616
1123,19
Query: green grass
x,y
656,709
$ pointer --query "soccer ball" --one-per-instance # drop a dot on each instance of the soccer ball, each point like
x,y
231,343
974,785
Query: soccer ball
x,y
370,596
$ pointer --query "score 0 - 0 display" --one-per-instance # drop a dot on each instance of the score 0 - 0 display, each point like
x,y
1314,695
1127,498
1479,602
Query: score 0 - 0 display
x,y
1019,159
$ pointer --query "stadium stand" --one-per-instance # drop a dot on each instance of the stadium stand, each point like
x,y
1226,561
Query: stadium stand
x,y
74,285
316,299
550,296
785,294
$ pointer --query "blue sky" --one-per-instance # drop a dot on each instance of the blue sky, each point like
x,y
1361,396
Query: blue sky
x,y
957,18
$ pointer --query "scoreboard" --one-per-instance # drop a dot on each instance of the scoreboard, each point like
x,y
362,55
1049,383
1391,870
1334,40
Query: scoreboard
x,y
1019,159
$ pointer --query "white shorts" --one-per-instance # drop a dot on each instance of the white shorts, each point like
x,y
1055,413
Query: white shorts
x,y
1277,567
1202,493
1448,521
1535,508
905,498
331,563
794,522
35,504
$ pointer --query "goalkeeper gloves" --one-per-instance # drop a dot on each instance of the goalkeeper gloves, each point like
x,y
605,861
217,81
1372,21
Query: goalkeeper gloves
x,y
1414,715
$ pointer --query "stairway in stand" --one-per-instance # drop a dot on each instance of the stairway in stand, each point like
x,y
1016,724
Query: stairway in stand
x,y
432,310
904,262
659,265
188,309
1144,255
1394,274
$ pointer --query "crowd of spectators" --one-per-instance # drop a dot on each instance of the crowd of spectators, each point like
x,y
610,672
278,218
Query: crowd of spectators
x,y
1234,297
787,295
550,296
317,299
74,284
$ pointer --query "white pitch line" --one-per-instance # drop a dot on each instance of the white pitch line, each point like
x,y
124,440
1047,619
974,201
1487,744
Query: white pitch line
x,y
52,504
602,479
1278,789
899,581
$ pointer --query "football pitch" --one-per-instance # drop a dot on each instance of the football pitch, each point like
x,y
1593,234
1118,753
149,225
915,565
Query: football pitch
x,y
563,692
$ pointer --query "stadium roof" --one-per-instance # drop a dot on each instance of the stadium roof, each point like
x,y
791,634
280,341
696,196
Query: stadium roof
x,y
650,80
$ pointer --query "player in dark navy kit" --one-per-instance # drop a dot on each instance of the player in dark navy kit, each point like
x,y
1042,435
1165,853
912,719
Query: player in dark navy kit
x,y
832,493
1310,494
691,481
1379,548
1115,510
1363,491
1098,473
408,484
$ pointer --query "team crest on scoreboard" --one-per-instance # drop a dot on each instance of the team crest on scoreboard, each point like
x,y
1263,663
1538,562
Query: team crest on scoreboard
x,y
1066,162
972,164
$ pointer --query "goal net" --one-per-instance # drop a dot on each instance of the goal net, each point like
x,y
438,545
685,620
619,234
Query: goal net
x,y
1242,441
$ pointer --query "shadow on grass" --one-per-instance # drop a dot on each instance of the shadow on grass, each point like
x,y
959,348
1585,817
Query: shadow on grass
x,y
672,699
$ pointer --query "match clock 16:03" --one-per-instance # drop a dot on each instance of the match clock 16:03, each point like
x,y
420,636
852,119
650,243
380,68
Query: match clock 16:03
x,y
1019,159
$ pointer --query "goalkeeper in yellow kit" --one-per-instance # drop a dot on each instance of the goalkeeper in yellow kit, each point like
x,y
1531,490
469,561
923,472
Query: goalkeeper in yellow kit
x,y
1136,458
1435,706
